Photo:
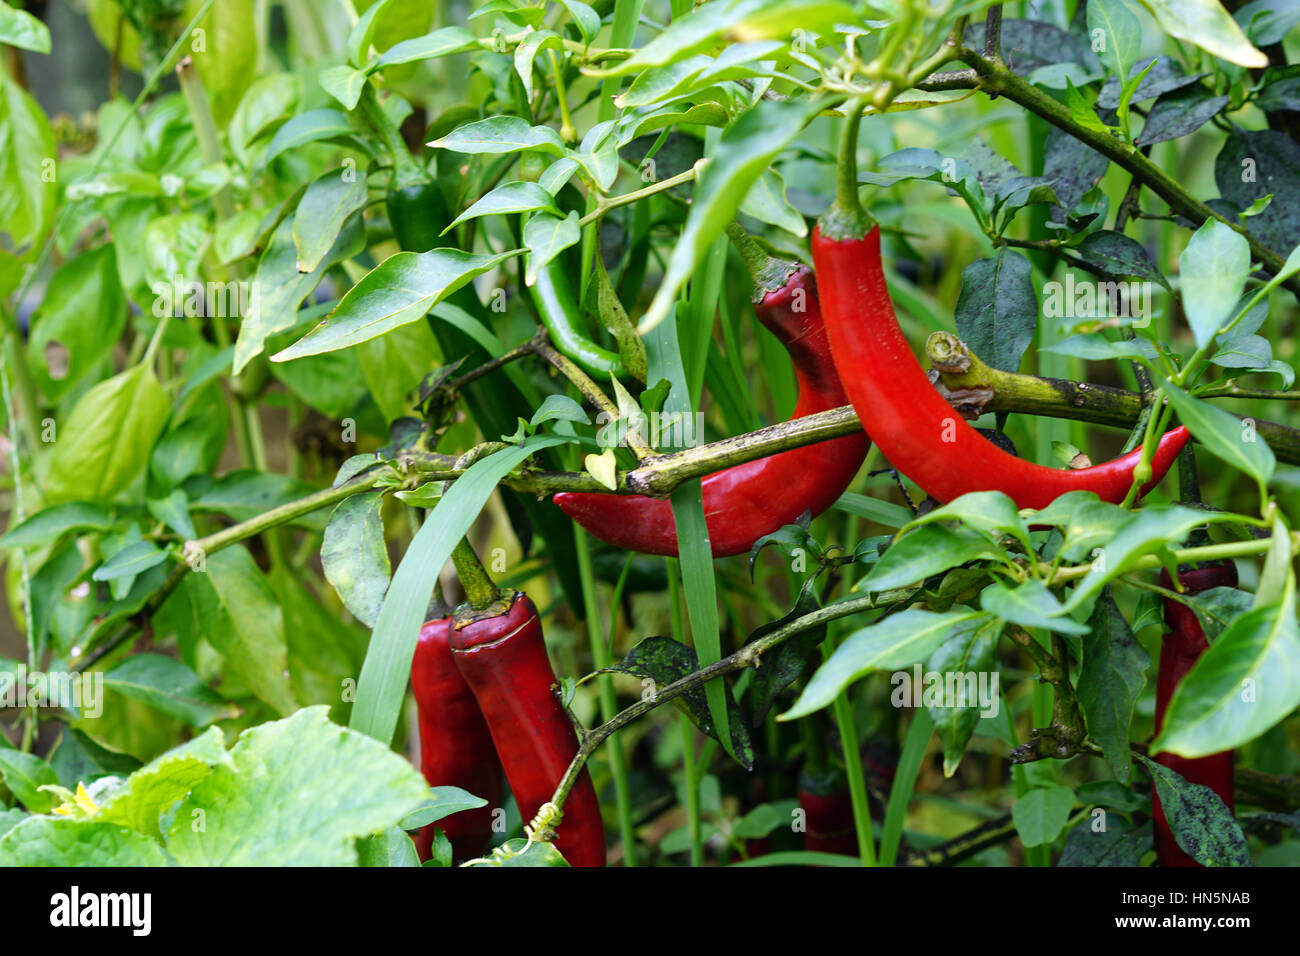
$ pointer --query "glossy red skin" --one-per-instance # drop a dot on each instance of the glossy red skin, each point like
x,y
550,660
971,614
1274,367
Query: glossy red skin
x,y
915,427
455,745
745,502
829,821
1184,643
503,659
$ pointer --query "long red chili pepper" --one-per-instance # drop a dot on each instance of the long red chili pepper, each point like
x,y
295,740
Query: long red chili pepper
x,y
1184,643
915,428
455,745
503,659
745,502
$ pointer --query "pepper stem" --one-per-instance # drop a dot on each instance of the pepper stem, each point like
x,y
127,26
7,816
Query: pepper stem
x,y
768,272
480,590
846,218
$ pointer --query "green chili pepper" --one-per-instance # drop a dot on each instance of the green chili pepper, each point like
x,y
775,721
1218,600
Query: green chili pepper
x,y
553,296
418,215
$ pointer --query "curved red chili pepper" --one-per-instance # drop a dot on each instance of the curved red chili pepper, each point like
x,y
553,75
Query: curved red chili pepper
x,y
455,745
1184,643
745,502
918,431
503,659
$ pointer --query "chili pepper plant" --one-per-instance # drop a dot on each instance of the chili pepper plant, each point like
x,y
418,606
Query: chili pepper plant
x,y
649,433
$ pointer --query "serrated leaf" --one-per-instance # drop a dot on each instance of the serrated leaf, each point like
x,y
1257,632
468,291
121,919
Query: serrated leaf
x,y
59,841
150,791
298,792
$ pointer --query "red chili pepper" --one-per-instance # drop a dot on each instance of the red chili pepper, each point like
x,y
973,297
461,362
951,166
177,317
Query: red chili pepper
x,y
503,659
918,431
1184,643
828,818
745,502
455,745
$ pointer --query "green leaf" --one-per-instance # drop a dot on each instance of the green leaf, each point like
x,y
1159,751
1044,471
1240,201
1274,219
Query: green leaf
x,y
327,204
1041,814
1120,31
899,640
916,555
1230,439
559,408
50,524
26,149
354,555
584,18
362,34
243,622
545,237
526,53
309,127
1201,822
442,42
63,841
1111,678
169,686
135,558
1208,25
997,308
20,29
106,441
1155,528
11,818
80,319
990,512
269,100
1117,843
766,201
395,363
1213,268
972,650
874,509
1247,681
382,685
344,84
390,848
519,852
442,802
298,792
501,134
508,198
24,774
744,152
665,661
227,60
151,790
400,290
1111,793
1031,605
